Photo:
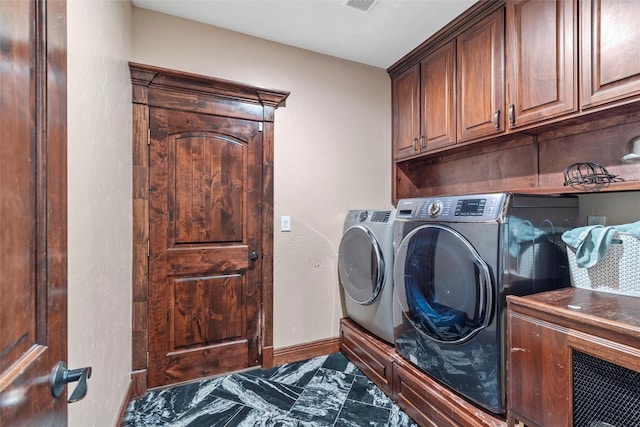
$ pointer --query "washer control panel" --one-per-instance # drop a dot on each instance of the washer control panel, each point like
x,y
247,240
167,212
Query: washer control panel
x,y
480,207
470,207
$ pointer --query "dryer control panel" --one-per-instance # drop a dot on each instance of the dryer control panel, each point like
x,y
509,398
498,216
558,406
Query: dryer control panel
x,y
366,216
477,207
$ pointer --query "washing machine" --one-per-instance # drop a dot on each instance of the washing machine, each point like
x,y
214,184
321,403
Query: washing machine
x,y
456,260
365,270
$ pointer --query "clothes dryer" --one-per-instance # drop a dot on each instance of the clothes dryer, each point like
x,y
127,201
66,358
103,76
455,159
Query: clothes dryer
x,y
365,270
456,260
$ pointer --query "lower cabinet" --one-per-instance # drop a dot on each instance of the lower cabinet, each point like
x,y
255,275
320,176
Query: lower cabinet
x,y
573,359
372,356
423,399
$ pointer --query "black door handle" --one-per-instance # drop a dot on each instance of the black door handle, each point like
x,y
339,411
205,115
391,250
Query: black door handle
x,y
61,376
253,256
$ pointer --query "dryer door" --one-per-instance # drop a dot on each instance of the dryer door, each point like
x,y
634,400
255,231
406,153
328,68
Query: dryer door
x,y
360,265
443,286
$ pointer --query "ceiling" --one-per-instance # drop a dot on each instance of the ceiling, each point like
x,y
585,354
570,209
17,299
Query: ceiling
x,y
379,37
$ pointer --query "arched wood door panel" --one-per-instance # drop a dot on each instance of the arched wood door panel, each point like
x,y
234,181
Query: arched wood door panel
x,y
204,222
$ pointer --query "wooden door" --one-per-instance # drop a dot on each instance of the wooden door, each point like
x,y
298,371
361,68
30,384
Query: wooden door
x,y
480,78
406,113
610,51
33,242
542,56
205,240
438,97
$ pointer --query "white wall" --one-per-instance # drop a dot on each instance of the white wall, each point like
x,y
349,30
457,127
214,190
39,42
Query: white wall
x,y
99,206
332,152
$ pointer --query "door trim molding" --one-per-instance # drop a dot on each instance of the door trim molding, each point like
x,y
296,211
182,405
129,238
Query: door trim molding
x,y
154,86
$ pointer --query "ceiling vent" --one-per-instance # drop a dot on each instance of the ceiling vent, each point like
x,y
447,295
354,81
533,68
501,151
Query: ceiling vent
x,y
363,5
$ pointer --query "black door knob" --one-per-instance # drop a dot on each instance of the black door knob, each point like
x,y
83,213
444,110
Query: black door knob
x,y
253,256
61,376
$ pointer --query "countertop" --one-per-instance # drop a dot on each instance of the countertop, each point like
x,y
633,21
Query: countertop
x,y
608,315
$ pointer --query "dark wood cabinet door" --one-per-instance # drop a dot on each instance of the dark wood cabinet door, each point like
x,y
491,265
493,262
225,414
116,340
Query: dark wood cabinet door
x,y
539,363
438,97
610,51
405,92
205,233
33,211
480,78
542,60
549,336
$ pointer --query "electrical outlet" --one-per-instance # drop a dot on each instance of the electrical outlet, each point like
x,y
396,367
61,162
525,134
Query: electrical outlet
x,y
285,223
596,220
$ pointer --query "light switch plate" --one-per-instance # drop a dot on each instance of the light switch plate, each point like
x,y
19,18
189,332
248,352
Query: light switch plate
x,y
285,223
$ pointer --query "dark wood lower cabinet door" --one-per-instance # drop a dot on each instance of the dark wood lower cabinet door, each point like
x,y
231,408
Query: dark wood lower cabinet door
x,y
205,184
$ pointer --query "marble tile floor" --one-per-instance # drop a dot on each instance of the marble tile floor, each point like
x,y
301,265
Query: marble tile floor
x,y
323,391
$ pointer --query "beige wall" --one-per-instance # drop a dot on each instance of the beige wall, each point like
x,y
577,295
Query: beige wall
x,y
332,152
99,206
619,208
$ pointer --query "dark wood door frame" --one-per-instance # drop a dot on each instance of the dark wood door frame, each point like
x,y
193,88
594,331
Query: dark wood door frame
x,y
153,86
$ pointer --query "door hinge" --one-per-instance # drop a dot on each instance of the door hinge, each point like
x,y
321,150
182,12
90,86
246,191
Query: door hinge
x,y
260,127
148,136
148,248
147,359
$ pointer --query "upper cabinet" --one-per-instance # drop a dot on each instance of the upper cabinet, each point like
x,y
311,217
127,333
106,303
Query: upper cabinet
x,y
480,78
499,79
453,93
610,51
424,105
541,60
438,97
406,113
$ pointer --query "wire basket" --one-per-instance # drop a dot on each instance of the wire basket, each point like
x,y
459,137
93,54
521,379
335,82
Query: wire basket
x,y
617,272
588,175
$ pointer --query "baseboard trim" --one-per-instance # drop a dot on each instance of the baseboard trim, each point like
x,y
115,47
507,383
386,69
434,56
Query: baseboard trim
x,y
296,353
124,405
137,388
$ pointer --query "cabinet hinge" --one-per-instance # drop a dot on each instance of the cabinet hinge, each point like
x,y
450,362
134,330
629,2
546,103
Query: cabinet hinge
x,y
260,127
149,136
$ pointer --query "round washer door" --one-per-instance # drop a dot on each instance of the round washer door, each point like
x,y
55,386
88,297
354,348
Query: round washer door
x,y
443,286
360,265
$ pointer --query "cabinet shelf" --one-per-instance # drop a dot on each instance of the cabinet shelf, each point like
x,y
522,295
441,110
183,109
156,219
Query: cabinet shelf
x,y
613,187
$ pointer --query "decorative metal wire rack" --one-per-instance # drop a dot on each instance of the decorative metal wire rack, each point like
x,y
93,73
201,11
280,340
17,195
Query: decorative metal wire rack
x,y
588,175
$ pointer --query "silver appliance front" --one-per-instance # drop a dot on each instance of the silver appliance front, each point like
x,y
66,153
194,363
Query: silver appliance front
x,y
365,263
446,289
361,266
456,260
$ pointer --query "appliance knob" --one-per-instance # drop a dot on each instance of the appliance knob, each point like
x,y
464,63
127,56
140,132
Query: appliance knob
x,y
363,215
435,208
